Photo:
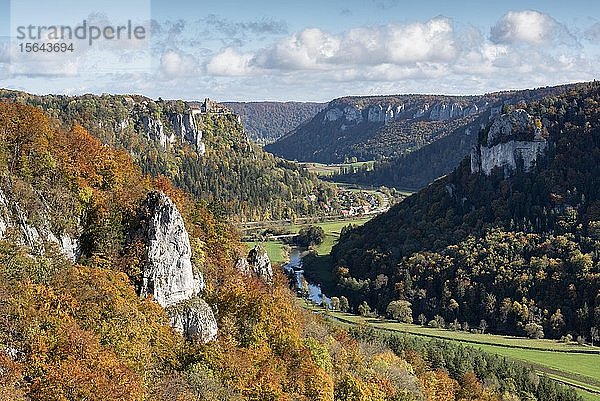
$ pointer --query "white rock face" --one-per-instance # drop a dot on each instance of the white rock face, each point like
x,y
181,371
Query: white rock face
x,y
194,318
184,127
447,111
257,263
186,130
12,217
69,247
169,275
507,155
505,147
351,114
386,112
154,130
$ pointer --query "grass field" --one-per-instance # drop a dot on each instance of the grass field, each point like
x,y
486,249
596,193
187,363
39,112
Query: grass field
x,y
563,362
276,249
327,170
332,231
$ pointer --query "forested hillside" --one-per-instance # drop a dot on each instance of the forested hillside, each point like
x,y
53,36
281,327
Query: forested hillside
x,y
414,170
74,330
265,122
517,248
207,155
413,139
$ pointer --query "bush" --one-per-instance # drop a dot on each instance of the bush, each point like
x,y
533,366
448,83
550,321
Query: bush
x,y
534,330
310,236
401,311
566,339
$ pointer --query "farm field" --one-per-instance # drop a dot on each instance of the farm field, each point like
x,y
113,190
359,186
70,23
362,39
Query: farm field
x,y
328,170
571,363
276,248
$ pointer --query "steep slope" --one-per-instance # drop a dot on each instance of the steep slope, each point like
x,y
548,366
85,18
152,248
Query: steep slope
x,y
101,328
206,154
535,176
265,122
392,127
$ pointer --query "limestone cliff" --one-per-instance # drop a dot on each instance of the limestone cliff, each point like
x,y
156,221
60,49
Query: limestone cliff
x,y
375,127
397,109
15,224
513,141
168,274
181,127
392,127
257,263
186,130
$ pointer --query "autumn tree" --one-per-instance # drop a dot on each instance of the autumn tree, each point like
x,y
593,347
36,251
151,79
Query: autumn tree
x,y
400,310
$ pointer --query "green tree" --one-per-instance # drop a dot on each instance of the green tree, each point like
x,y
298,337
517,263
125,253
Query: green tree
x,y
344,304
364,309
310,236
400,310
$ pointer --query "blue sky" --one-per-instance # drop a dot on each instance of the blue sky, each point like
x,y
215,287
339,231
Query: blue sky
x,y
319,50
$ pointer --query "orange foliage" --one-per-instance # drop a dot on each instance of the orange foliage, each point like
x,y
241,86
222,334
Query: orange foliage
x,y
11,385
472,390
438,386
23,131
110,174
64,361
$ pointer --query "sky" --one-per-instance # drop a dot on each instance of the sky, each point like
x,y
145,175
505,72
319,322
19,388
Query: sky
x,y
307,50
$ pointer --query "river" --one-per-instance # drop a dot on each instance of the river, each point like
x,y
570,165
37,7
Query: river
x,y
294,266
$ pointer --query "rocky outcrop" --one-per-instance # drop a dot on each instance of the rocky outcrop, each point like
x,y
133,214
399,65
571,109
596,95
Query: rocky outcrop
x,y
261,264
168,274
195,318
181,126
387,112
514,141
154,130
14,223
185,128
257,263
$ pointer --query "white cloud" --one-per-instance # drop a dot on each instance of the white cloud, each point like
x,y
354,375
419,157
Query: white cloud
x,y
530,27
308,49
229,62
524,46
315,49
522,49
175,63
592,33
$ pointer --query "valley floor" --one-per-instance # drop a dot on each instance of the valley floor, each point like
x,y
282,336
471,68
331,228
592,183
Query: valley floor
x,y
572,364
276,248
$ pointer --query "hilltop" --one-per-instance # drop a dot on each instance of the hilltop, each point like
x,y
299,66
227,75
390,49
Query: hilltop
x,y
265,122
201,147
413,139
